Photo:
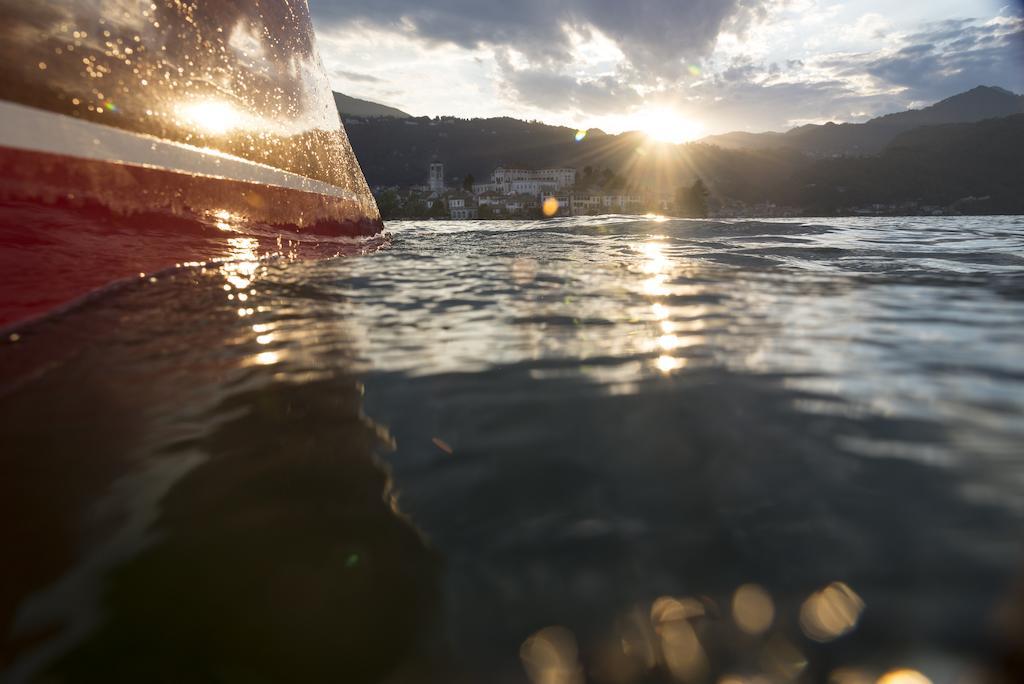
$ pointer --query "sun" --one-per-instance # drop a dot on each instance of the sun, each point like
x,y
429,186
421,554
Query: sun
x,y
666,125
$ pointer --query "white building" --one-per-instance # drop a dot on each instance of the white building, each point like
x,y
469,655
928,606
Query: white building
x,y
491,199
586,203
436,181
590,203
532,182
461,207
485,188
626,204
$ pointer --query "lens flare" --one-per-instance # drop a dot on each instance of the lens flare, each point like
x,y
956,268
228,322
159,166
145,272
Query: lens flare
x,y
550,207
581,134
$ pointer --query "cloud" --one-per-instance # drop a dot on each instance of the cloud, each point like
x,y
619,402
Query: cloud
x,y
656,37
739,105
743,70
354,76
931,63
555,92
765,64
947,57
872,26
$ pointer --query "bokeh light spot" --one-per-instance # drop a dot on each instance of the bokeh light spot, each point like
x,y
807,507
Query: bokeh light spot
x,y
753,609
903,676
551,656
830,613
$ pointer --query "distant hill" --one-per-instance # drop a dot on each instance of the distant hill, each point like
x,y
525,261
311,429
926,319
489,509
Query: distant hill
x,y
937,165
831,139
351,106
398,152
973,167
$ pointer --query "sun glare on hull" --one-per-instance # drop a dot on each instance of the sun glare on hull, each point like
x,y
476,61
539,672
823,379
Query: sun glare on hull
x,y
213,117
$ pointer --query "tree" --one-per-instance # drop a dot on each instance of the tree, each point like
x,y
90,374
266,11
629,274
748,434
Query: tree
x,y
468,182
692,202
414,208
440,209
388,203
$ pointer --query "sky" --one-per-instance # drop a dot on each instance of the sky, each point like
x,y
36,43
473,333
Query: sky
x,y
681,69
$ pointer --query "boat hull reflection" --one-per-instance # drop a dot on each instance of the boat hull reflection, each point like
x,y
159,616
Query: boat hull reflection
x,y
255,540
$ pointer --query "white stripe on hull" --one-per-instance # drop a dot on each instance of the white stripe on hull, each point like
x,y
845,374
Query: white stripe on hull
x,y
37,130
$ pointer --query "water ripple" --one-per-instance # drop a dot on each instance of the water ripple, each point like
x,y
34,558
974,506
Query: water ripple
x,y
603,426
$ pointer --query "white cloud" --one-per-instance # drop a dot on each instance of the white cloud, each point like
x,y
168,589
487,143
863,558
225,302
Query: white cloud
x,y
729,64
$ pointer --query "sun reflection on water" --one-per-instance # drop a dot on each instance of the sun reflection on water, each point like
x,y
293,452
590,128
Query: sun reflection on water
x,y
240,268
666,341
669,364
225,220
655,286
657,218
655,260
268,358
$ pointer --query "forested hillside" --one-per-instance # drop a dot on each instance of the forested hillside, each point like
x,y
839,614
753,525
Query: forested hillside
x,y
976,167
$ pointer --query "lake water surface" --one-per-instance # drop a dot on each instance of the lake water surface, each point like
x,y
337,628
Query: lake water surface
x,y
612,449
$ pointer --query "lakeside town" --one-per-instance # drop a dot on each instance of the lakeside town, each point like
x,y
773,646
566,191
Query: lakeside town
x,y
522,194
534,193
955,157
513,193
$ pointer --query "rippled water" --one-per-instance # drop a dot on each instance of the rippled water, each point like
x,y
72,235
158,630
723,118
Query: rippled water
x,y
489,451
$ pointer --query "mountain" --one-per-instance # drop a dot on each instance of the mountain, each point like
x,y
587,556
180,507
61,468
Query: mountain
x,y
831,139
351,106
983,102
967,167
398,152
973,168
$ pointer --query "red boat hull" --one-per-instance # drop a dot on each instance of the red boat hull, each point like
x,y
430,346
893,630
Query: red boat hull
x,y
132,144
54,252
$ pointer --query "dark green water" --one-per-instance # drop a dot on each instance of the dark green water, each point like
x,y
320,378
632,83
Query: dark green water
x,y
489,452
